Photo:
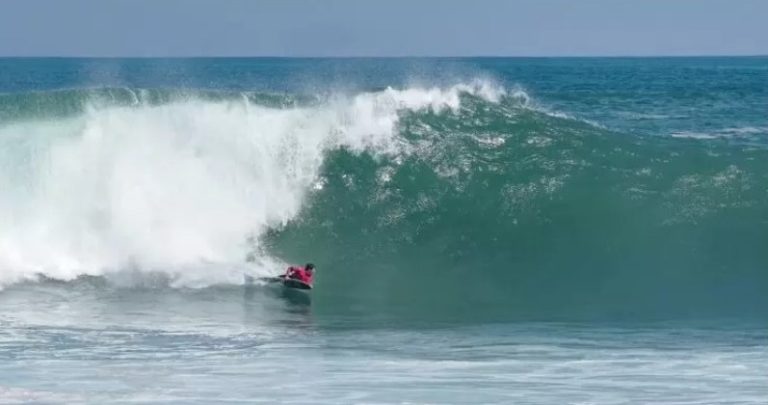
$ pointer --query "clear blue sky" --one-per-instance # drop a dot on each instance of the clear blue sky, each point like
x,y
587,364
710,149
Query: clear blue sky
x,y
382,27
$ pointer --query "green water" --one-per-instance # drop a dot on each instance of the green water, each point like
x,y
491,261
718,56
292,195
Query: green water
x,y
486,230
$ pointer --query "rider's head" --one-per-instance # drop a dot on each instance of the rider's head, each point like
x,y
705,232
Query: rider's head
x,y
310,267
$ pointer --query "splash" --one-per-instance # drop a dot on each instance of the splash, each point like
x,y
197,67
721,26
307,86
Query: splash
x,y
186,188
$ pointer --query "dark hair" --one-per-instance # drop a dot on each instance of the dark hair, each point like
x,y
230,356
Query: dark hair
x,y
309,266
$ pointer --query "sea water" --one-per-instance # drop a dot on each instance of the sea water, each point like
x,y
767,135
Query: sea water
x,y
485,230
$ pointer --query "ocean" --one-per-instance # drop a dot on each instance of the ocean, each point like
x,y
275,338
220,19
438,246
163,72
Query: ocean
x,y
486,230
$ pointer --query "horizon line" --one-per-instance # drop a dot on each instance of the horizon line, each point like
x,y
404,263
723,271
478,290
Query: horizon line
x,y
595,56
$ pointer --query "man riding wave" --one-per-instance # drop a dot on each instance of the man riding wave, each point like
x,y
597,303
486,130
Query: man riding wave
x,y
304,274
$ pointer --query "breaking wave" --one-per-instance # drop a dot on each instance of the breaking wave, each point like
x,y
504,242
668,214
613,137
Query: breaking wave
x,y
417,201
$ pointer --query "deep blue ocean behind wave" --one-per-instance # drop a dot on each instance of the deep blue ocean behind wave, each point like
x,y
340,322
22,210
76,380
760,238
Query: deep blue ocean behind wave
x,y
543,230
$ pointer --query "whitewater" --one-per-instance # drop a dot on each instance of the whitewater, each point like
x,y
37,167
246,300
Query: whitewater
x,y
485,230
183,187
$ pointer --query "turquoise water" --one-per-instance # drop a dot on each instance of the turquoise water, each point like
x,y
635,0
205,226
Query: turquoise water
x,y
487,230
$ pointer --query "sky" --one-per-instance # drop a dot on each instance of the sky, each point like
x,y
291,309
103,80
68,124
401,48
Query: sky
x,y
171,28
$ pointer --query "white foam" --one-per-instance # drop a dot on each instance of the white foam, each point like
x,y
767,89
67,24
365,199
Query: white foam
x,y
746,130
12,395
179,188
721,133
693,135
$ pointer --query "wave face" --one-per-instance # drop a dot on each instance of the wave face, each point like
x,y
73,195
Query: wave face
x,y
502,210
455,201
